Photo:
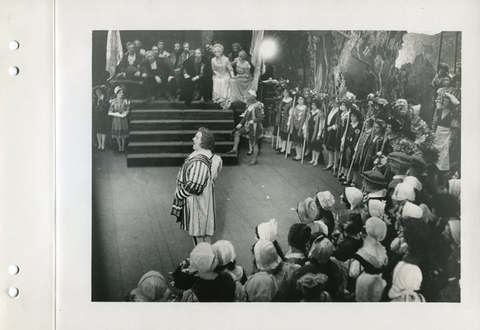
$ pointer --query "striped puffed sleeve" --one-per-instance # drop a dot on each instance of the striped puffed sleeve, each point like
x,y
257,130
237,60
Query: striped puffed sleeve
x,y
195,180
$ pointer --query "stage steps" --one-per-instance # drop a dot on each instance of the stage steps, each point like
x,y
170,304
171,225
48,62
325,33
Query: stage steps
x,y
161,132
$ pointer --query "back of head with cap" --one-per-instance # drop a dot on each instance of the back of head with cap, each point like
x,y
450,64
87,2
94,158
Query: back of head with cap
x,y
404,192
369,288
413,181
151,287
268,230
321,250
326,200
261,287
411,210
354,196
203,259
407,278
376,229
307,210
224,252
376,208
266,257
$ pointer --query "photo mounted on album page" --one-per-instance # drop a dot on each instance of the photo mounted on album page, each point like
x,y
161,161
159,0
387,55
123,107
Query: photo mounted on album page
x,y
211,157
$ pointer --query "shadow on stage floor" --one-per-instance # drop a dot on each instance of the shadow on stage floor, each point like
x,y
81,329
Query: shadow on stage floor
x,y
133,231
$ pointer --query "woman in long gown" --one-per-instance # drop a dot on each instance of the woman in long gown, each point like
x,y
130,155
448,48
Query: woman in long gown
x,y
296,122
330,133
100,110
351,138
281,120
119,109
314,128
222,72
240,84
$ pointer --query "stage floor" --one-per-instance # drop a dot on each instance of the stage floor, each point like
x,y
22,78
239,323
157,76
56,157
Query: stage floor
x,y
133,231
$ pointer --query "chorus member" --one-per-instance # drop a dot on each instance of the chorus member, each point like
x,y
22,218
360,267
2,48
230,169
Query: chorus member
x,y
362,142
373,145
297,119
392,136
236,49
330,133
100,106
194,199
161,50
241,82
207,58
187,53
344,123
119,109
350,143
442,72
138,47
251,126
222,73
130,64
281,120
175,59
155,50
193,76
314,128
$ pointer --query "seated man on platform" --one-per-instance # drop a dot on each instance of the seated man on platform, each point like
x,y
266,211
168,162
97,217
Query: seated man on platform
x,y
158,77
192,74
138,47
129,66
161,50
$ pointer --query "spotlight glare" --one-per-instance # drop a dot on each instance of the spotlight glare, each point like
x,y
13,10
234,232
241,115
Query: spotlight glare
x,y
268,48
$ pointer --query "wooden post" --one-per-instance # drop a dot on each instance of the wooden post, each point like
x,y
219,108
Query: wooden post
x,y
303,148
440,49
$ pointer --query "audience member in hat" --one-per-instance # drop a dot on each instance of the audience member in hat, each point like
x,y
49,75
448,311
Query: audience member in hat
x,y
298,238
266,259
100,106
407,279
251,126
260,287
312,288
152,287
444,207
321,261
454,188
308,212
350,226
226,256
369,288
210,286
325,202
353,198
268,231
351,142
450,278
313,131
404,192
374,187
372,256
119,109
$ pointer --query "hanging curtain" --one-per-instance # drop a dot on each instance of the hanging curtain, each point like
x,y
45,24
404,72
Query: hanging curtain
x,y
257,61
114,51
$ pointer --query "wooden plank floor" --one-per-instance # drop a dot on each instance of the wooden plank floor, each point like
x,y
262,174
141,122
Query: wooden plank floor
x,y
133,231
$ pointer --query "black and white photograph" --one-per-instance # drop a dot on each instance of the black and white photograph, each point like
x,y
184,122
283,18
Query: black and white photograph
x,y
276,165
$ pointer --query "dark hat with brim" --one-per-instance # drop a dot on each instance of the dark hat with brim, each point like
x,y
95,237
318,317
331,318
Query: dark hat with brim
x,y
399,157
375,177
417,161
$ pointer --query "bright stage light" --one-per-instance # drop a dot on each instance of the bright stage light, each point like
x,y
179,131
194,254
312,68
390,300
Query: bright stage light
x,y
268,48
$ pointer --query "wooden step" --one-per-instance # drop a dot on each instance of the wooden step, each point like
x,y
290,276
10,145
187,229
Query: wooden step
x,y
180,124
170,159
175,135
173,147
140,114
164,104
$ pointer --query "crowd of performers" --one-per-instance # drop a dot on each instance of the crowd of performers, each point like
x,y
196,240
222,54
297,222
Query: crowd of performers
x,y
389,242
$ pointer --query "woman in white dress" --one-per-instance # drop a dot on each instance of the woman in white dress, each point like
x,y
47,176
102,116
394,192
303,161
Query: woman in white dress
x,y
222,72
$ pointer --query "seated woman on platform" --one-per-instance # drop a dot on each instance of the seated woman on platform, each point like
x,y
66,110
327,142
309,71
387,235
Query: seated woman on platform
x,y
295,126
281,121
241,83
251,125
222,73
